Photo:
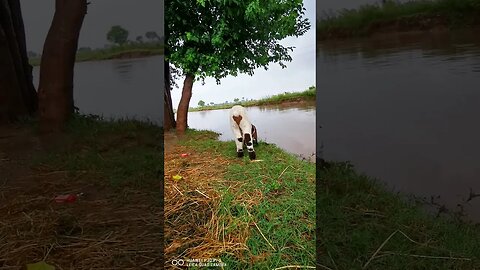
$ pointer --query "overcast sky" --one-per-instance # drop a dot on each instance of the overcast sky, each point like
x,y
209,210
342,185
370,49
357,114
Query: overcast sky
x,y
298,76
137,17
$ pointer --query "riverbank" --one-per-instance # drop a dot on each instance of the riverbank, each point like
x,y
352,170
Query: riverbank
x,y
116,52
251,215
114,168
307,96
399,17
363,225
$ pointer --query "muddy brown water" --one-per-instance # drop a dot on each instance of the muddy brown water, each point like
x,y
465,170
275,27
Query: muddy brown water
x,y
405,109
290,127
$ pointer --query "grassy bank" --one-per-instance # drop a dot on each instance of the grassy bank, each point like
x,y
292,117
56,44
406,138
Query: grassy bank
x,y
364,226
287,97
394,17
116,52
251,215
92,144
114,168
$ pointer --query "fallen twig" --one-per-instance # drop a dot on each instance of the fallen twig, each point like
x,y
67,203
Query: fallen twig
x,y
283,172
178,190
259,228
202,194
427,256
378,249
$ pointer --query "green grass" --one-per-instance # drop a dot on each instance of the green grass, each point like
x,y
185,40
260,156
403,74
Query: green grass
x,y
122,152
307,95
357,215
128,50
426,13
286,214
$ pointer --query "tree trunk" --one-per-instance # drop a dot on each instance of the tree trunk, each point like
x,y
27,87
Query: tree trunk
x,y
29,94
184,103
17,94
169,116
56,69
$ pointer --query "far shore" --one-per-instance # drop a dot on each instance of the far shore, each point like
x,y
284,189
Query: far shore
x,y
119,52
287,98
392,17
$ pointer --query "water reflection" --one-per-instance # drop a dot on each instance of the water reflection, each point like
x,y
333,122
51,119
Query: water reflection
x,y
459,49
404,109
305,107
124,69
126,88
291,128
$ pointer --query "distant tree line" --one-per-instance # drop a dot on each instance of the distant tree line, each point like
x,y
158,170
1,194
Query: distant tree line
x,y
119,36
202,103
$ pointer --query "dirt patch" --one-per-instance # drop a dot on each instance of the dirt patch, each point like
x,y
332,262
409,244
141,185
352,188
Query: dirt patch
x,y
106,228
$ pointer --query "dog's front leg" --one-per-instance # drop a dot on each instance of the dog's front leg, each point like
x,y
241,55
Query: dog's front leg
x,y
239,142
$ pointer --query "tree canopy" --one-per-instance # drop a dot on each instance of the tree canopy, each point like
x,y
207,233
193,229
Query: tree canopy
x,y
217,38
117,34
152,35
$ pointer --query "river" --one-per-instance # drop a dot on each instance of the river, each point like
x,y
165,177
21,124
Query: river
x,y
404,109
292,128
120,88
132,89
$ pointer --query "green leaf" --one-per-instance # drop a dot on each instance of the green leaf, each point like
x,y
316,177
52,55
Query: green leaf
x,y
228,37
191,37
40,266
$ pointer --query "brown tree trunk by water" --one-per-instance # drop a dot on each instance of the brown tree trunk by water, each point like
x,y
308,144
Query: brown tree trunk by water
x,y
184,103
56,68
17,94
169,116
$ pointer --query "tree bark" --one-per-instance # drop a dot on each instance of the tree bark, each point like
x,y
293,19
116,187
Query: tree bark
x,y
168,116
18,97
11,103
29,94
184,103
57,65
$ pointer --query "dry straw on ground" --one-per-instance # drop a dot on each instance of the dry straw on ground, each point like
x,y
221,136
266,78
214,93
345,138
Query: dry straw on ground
x,y
103,229
194,228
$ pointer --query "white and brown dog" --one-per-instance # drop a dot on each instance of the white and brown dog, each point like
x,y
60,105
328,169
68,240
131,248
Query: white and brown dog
x,y
245,133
